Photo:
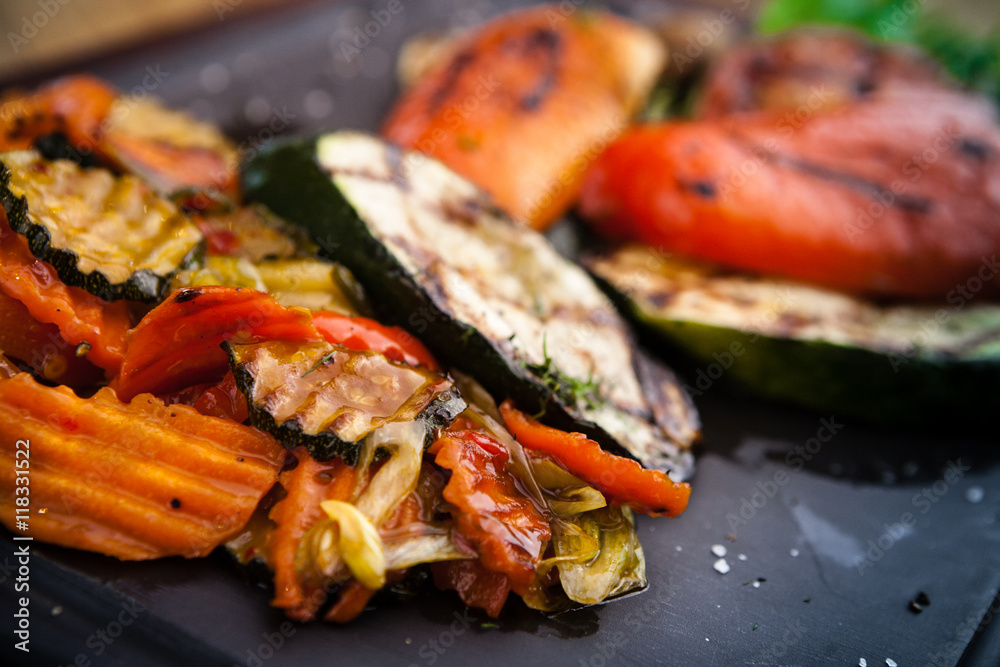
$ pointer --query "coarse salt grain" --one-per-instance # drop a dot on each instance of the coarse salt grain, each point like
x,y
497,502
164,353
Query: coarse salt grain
x,y
721,566
719,550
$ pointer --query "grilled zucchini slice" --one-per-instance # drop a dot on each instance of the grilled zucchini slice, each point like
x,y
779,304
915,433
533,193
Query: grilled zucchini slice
x,y
816,348
329,398
489,296
111,235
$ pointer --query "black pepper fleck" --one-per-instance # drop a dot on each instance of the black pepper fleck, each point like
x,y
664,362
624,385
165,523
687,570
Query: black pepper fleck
x,y
175,503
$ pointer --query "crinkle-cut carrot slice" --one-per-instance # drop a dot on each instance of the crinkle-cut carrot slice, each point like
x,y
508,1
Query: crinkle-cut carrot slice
x,y
133,480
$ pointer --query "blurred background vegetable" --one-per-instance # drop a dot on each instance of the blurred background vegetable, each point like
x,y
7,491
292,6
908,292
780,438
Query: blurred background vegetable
x,y
966,39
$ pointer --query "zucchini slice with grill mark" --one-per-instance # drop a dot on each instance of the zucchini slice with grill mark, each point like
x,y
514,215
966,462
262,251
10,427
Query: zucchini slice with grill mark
x,y
329,398
814,347
490,297
111,235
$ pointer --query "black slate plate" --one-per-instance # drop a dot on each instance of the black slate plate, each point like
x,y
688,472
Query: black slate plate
x,y
843,597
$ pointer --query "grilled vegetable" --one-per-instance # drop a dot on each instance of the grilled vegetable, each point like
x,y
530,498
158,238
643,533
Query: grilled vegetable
x,y
138,480
618,567
40,346
91,325
176,345
298,589
329,398
893,194
521,105
620,480
114,237
84,119
489,297
305,282
491,512
817,348
252,233
814,70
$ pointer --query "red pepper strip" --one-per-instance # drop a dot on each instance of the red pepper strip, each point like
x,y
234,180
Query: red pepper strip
x,y
224,400
352,600
361,333
507,531
80,316
477,586
177,343
42,347
622,481
307,485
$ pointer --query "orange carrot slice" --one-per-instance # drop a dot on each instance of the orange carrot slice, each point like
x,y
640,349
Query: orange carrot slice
x,y
136,481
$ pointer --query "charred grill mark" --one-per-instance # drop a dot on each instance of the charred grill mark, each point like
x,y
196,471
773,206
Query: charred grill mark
x,y
662,299
464,211
974,148
187,294
908,203
462,60
703,189
547,44
864,87
394,160
424,258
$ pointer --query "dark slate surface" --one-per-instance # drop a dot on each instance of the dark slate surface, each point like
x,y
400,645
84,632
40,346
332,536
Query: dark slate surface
x,y
843,597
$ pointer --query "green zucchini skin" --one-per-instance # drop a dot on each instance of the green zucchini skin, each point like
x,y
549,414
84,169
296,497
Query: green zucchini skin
x,y
296,363
141,284
860,373
290,181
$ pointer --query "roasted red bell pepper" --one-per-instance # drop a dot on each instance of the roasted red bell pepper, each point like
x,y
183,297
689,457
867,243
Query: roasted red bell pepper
x,y
622,481
477,586
224,400
80,316
505,528
307,485
177,344
362,333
